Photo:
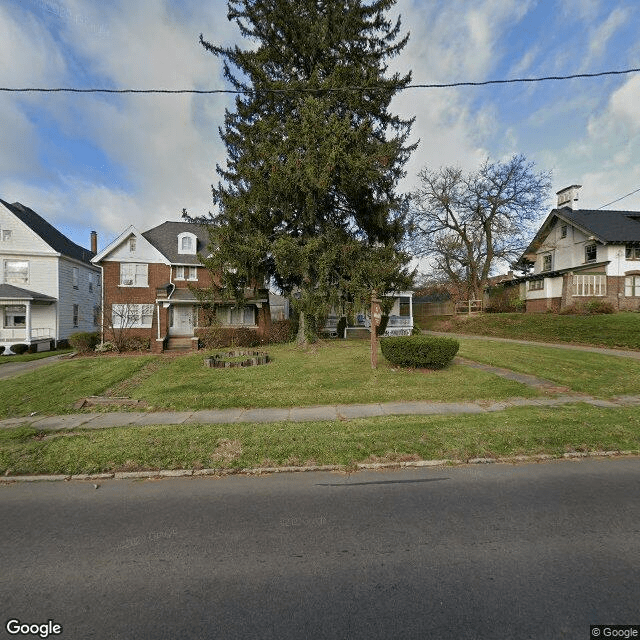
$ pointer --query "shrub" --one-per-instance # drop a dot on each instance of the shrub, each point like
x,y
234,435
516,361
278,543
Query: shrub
x,y
215,337
135,343
599,306
19,349
105,347
281,331
342,325
419,351
84,341
416,331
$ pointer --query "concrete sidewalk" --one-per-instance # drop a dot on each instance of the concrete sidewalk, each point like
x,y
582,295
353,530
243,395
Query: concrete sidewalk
x,y
302,414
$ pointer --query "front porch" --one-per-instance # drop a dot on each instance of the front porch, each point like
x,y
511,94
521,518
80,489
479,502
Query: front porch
x,y
27,318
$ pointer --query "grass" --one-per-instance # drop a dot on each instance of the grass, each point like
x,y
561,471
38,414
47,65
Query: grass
x,y
584,372
332,373
619,330
519,431
27,357
54,389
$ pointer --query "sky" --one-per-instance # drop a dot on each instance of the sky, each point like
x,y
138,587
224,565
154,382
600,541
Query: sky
x,y
103,162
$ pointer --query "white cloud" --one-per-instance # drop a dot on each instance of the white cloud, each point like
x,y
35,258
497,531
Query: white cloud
x,y
603,33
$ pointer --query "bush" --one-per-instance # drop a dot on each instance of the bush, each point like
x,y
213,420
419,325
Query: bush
x,y
281,331
19,349
105,347
215,337
84,341
599,306
342,325
419,351
135,343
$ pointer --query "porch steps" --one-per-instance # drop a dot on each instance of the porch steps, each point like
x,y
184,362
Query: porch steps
x,y
179,343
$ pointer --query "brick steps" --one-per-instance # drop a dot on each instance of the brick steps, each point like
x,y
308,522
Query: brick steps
x,y
179,343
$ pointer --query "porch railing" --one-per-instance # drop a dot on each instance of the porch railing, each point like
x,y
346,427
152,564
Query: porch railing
x,y
20,334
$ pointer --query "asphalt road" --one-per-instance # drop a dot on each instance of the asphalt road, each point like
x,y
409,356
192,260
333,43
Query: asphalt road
x,y
498,551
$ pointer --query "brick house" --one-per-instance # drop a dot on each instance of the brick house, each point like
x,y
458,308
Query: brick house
x,y
149,288
579,255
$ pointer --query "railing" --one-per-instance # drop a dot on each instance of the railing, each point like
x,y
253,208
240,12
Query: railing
x,y
400,321
20,334
469,306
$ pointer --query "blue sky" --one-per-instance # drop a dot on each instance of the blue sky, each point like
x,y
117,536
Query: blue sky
x,y
104,162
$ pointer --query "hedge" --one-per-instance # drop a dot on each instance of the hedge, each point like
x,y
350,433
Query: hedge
x,y
419,351
84,341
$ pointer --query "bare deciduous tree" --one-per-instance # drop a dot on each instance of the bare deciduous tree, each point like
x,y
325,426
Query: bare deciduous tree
x,y
467,222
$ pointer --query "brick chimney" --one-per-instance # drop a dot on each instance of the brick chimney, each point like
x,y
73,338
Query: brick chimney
x,y
568,196
94,242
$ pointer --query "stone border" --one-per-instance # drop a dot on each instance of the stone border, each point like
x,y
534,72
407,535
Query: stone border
x,y
361,466
255,358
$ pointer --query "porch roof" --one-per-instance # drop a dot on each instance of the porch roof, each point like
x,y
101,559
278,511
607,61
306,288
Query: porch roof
x,y
10,293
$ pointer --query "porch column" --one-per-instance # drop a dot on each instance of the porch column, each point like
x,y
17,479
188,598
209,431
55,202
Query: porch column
x,y
411,310
28,322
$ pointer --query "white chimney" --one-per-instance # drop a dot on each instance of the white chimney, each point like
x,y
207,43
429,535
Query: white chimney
x,y
568,195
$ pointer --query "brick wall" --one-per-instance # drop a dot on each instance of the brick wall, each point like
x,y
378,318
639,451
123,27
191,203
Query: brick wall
x,y
544,305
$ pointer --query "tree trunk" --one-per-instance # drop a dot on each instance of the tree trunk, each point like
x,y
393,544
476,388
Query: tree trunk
x,y
306,334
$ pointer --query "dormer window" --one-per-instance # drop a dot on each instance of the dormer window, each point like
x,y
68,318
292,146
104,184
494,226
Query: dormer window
x,y
187,243
590,253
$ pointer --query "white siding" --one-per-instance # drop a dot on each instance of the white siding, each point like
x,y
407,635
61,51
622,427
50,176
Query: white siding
x,y
23,240
144,252
85,299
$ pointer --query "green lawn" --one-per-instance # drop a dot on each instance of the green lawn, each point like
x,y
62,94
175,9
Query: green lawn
x,y
619,330
333,373
592,373
518,431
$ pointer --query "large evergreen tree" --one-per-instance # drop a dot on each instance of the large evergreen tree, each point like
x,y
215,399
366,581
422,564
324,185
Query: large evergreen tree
x,y
308,195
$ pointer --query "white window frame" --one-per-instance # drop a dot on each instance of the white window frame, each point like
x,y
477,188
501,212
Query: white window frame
x,y
547,257
134,274
132,316
10,314
5,235
536,285
246,319
179,273
186,273
632,286
16,280
193,243
590,285
76,315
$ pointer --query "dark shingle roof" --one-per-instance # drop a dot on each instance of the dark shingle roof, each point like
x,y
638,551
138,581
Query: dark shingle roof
x,y
56,240
9,292
164,237
608,226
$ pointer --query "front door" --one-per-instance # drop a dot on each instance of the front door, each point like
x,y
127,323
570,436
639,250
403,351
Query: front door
x,y
181,321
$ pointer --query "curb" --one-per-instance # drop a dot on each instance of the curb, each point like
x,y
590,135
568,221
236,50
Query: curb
x,y
257,471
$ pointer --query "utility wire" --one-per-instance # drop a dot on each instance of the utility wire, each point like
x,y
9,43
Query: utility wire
x,y
618,200
318,90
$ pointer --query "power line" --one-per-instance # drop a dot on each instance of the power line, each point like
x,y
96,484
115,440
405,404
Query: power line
x,y
618,200
449,85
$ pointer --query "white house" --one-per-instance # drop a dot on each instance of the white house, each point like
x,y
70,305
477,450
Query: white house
x,y
48,287
583,254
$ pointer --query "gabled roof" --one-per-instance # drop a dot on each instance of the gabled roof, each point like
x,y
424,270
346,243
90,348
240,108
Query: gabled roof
x,y
9,292
56,240
605,226
164,237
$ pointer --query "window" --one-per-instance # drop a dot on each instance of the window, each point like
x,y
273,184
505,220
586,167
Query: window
x,y
536,285
190,273
76,313
96,316
632,252
16,271
131,315
242,316
632,286
15,316
187,243
133,274
91,276
132,244
546,262
563,231
590,285
5,235
76,277
590,253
